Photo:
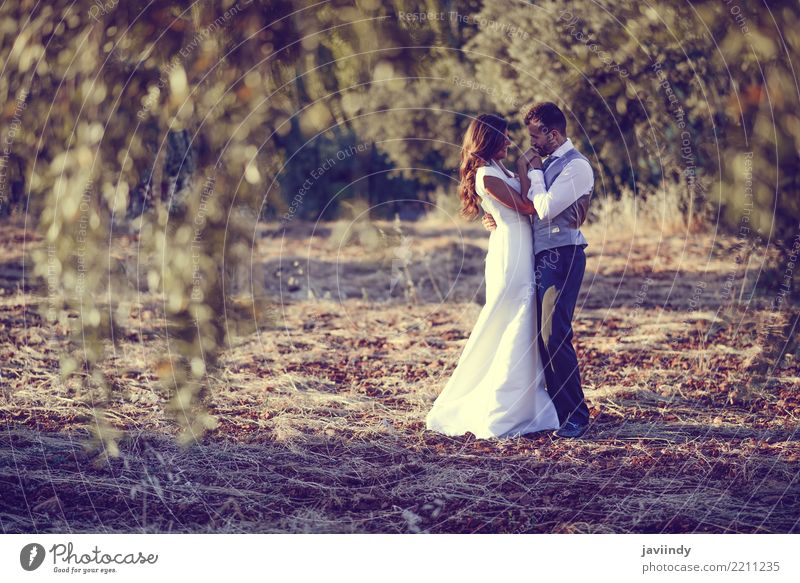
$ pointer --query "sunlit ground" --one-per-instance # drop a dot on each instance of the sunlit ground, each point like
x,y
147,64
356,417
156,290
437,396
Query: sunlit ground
x,y
322,410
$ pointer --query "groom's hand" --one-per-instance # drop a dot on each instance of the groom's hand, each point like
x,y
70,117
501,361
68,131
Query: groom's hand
x,y
488,222
531,158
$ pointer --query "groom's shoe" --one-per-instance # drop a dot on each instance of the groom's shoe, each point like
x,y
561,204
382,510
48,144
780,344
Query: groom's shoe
x,y
571,429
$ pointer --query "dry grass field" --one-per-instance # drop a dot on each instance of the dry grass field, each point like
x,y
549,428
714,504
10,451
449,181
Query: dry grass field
x,y
321,411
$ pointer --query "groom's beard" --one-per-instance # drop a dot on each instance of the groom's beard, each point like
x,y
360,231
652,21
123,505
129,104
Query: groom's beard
x,y
543,151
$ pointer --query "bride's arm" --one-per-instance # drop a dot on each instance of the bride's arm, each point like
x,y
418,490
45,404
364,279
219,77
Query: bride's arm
x,y
507,196
524,181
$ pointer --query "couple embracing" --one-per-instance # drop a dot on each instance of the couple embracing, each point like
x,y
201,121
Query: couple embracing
x,y
518,372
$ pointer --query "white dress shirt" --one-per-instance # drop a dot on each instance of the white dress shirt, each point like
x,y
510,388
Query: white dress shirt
x,y
574,181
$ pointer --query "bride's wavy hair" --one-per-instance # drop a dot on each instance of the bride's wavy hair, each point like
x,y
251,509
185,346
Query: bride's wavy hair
x,y
485,137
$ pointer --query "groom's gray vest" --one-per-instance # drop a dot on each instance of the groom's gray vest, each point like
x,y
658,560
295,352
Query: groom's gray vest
x,y
564,228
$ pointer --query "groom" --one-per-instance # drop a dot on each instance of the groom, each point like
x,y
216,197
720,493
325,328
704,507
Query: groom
x,y
560,189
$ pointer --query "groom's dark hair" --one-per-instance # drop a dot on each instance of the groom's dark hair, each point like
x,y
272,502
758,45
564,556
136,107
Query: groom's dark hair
x,y
549,115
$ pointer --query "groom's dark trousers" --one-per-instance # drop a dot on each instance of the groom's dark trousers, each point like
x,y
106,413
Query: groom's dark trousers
x,y
559,274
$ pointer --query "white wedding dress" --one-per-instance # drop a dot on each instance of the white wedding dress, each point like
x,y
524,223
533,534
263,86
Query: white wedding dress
x,y
498,387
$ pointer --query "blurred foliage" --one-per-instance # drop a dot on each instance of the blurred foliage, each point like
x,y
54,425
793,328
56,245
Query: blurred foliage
x,y
184,122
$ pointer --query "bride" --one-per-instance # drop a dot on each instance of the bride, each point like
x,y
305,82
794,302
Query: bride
x,y
498,386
